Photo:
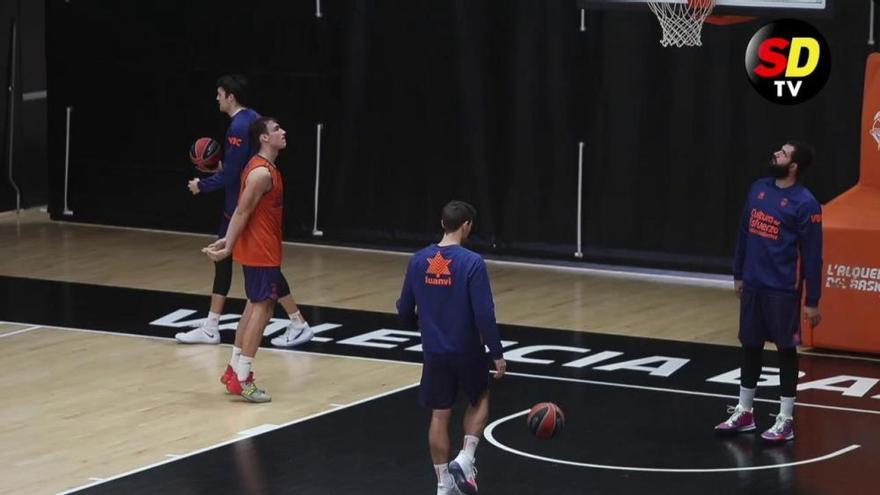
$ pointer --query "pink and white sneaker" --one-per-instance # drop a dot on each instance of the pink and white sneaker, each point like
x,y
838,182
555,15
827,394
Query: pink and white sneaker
x,y
781,431
740,420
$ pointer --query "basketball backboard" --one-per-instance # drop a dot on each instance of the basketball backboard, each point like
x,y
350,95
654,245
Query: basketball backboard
x,y
754,7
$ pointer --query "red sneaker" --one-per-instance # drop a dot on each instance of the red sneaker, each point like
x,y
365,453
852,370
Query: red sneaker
x,y
229,377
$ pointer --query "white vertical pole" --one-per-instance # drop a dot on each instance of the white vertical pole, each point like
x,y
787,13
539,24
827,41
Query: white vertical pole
x,y
13,57
318,13
583,20
315,231
579,253
871,24
66,210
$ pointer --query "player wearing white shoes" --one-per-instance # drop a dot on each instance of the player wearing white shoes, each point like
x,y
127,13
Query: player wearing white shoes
x,y
232,96
456,316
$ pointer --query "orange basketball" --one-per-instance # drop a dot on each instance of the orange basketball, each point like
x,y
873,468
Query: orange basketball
x,y
205,154
545,420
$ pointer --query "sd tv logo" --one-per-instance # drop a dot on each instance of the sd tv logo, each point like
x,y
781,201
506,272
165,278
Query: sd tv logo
x,y
788,61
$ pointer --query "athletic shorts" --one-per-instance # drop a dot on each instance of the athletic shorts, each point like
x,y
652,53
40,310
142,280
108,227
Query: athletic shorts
x,y
444,374
769,316
264,282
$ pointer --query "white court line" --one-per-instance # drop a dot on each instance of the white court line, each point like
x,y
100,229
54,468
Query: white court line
x,y
20,331
489,435
685,392
257,430
841,356
228,442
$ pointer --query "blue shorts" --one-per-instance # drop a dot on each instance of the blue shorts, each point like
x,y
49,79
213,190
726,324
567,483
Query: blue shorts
x,y
443,374
264,282
769,316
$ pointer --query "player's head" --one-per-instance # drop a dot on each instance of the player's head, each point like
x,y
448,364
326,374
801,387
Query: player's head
x,y
268,134
458,215
232,92
792,159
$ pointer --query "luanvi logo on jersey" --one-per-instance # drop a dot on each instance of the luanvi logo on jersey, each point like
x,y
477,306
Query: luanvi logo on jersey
x,y
788,61
875,129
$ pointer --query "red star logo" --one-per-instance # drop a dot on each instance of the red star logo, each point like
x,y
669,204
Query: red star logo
x,y
438,265
784,202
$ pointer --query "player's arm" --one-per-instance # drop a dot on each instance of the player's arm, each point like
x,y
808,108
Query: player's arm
x,y
235,156
484,314
739,256
810,241
257,183
406,304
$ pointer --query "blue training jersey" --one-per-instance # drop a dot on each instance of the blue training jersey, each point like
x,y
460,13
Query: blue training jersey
x,y
237,150
456,314
779,244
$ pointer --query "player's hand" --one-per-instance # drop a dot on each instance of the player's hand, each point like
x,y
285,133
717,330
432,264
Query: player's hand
x,y
812,315
219,167
193,186
218,244
500,368
216,254
738,287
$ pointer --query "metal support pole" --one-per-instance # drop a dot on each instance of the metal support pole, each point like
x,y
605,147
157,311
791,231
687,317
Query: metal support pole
x,y
66,211
579,253
315,231
318,13
12,75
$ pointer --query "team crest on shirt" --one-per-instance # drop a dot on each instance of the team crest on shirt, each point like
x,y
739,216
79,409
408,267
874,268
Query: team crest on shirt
x,y
784,202
438,270
761,195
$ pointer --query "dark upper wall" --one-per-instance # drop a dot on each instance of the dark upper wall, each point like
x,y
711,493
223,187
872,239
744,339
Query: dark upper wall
x,y
424,101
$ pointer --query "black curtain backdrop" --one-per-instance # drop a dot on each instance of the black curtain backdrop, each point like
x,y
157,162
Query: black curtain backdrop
x,y
9,12
425,101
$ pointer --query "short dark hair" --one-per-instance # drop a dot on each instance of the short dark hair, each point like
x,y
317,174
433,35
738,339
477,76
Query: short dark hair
x,y
803,155
235,84
455,214
258,128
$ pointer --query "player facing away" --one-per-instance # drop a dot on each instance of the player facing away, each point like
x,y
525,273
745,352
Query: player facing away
x,y
446,294
778,254
232,96
254,240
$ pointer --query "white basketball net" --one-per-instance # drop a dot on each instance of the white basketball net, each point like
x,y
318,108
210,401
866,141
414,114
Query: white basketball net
x,y
681,20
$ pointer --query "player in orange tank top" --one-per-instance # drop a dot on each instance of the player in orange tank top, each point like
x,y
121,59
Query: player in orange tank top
x,y
232,92
254,240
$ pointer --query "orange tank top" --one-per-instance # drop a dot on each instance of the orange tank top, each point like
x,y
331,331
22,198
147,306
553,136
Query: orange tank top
x,y
260,242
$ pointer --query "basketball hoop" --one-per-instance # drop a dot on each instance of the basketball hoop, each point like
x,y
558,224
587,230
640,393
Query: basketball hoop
x,y
681,20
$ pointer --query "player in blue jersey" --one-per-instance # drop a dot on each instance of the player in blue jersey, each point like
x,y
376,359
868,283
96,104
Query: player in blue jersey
x,y
778,255
456,315
232,97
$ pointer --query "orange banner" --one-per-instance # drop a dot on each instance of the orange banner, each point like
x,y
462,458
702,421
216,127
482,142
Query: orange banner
x,y
850,302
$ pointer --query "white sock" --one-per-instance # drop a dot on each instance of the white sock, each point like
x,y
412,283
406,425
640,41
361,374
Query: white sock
x,y
746,397
297,318
244,367
236,352
786,406
213,321
441,470
470,446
